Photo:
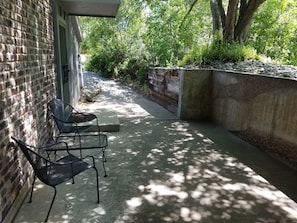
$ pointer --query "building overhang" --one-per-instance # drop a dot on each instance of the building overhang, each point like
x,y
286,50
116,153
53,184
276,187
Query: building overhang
x,y
96,8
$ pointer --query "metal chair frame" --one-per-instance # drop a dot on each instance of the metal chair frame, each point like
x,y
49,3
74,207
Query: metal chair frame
x,y
66,119
53,173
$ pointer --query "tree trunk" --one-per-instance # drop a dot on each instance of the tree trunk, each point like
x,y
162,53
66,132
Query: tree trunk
x,y
236,24
230,21
216,15
245,19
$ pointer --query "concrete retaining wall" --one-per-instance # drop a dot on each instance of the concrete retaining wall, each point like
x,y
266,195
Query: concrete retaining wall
x,y
263,105
195,95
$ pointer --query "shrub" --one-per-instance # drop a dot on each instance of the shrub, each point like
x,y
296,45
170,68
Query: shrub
x,y
136,69
106,61
117,64
220,52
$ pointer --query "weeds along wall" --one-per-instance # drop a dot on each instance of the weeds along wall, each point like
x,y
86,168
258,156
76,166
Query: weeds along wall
x,y
27,83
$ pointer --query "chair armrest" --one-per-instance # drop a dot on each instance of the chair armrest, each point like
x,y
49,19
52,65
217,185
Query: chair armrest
x,y
51,144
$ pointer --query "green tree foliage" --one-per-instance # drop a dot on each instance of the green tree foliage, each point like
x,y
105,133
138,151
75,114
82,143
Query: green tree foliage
x,y
177,32
274,31
172,29
115,43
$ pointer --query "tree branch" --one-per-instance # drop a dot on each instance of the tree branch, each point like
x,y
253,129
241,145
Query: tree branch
x,y
188,12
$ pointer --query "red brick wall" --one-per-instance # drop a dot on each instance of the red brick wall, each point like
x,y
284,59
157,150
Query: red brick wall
x,y
27,83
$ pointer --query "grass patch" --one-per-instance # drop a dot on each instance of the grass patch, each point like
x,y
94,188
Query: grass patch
x,y
218,52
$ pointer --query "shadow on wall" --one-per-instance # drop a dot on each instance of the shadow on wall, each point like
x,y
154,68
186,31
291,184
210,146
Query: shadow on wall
x,y
29,76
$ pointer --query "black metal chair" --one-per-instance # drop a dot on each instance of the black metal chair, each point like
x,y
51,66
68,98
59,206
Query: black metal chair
x,y
53,173
68,119
72,123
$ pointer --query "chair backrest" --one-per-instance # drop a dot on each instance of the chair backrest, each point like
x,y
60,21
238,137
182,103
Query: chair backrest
x,y
38,162
61,112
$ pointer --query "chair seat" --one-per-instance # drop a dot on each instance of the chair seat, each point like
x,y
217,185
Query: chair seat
x,y
81,117
57,174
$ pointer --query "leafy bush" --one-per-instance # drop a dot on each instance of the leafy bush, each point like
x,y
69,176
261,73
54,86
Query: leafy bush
x,y
136,69
117,64
106,61
218,51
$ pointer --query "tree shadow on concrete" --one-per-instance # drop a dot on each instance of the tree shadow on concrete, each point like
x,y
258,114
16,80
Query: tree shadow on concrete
x,y
167,171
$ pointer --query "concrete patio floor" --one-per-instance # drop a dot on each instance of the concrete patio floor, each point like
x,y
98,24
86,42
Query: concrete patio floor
x,y
161,169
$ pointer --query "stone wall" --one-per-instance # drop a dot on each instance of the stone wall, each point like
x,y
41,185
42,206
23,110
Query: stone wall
x,y
165,84
239,102
27,83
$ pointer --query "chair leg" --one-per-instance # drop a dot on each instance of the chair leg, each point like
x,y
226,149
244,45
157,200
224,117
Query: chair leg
x,y
55,154
104,161
79,138
97,178
32,187
80,151
97,184
105,174
103,155
50,208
